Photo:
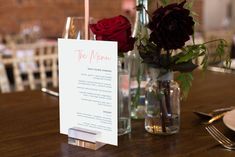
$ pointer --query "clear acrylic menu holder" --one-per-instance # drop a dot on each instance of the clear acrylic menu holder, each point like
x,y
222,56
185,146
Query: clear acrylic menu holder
x,y
84,138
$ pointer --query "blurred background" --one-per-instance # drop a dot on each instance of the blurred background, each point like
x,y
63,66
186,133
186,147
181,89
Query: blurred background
x,y
50,15
30,28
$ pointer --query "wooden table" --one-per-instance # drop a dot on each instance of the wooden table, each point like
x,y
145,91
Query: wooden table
x,y
29,126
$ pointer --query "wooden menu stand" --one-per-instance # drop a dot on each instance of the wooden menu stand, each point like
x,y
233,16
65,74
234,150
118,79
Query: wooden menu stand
x,y
84,138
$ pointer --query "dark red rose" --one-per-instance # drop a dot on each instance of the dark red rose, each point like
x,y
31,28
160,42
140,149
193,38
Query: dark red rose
x,y
115,29
171,26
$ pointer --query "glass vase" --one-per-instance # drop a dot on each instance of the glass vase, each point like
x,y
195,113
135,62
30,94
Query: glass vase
x,y
124,108
138,75
162,104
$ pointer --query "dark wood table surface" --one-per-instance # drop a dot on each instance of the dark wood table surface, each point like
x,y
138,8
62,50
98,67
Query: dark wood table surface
x,y
29,126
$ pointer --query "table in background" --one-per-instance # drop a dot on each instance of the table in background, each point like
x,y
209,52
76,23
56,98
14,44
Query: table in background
x,y
30,126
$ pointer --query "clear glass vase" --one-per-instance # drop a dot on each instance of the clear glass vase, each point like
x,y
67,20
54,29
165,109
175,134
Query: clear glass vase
x,y
124,108
138,75
162,104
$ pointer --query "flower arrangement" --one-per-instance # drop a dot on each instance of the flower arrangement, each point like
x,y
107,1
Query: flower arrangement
x,y
171,26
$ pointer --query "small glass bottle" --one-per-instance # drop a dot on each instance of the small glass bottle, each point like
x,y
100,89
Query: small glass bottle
x,y
138,75
124,108
162,102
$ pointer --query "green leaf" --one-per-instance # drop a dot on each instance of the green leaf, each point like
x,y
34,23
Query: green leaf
x,y
189,4
219,52
228,62
192,52
165,2
193,13
185,81
184,67
220,49
205,63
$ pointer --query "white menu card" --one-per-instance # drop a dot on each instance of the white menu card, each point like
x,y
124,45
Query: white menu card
x,y
88,87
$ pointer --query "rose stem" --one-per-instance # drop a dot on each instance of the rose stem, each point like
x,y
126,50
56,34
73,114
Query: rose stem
x,y
167,98
163,111
168,103
167,92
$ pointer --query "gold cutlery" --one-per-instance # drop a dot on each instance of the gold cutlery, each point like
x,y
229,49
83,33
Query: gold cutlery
x,y
45,90
214,112
214,118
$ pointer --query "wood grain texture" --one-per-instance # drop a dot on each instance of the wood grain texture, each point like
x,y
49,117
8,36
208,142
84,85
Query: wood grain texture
x,y
30,126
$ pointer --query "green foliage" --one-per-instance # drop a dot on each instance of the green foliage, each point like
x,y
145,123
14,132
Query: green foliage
x,y
228,62
220,49
192,52
142,35
189,4
195,51
219,53
183,62
204,63
165,2
185,81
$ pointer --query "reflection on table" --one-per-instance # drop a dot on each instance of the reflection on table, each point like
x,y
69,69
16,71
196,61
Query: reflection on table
x,y
30,125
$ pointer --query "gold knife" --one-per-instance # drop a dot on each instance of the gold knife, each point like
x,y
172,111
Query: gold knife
x,y
217,117
45,90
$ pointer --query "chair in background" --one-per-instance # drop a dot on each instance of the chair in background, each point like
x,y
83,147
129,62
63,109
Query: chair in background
x,y
37,67
4,82
30,31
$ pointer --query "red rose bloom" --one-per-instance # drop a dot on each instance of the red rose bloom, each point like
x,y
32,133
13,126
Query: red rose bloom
x,y
171,26
115,29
